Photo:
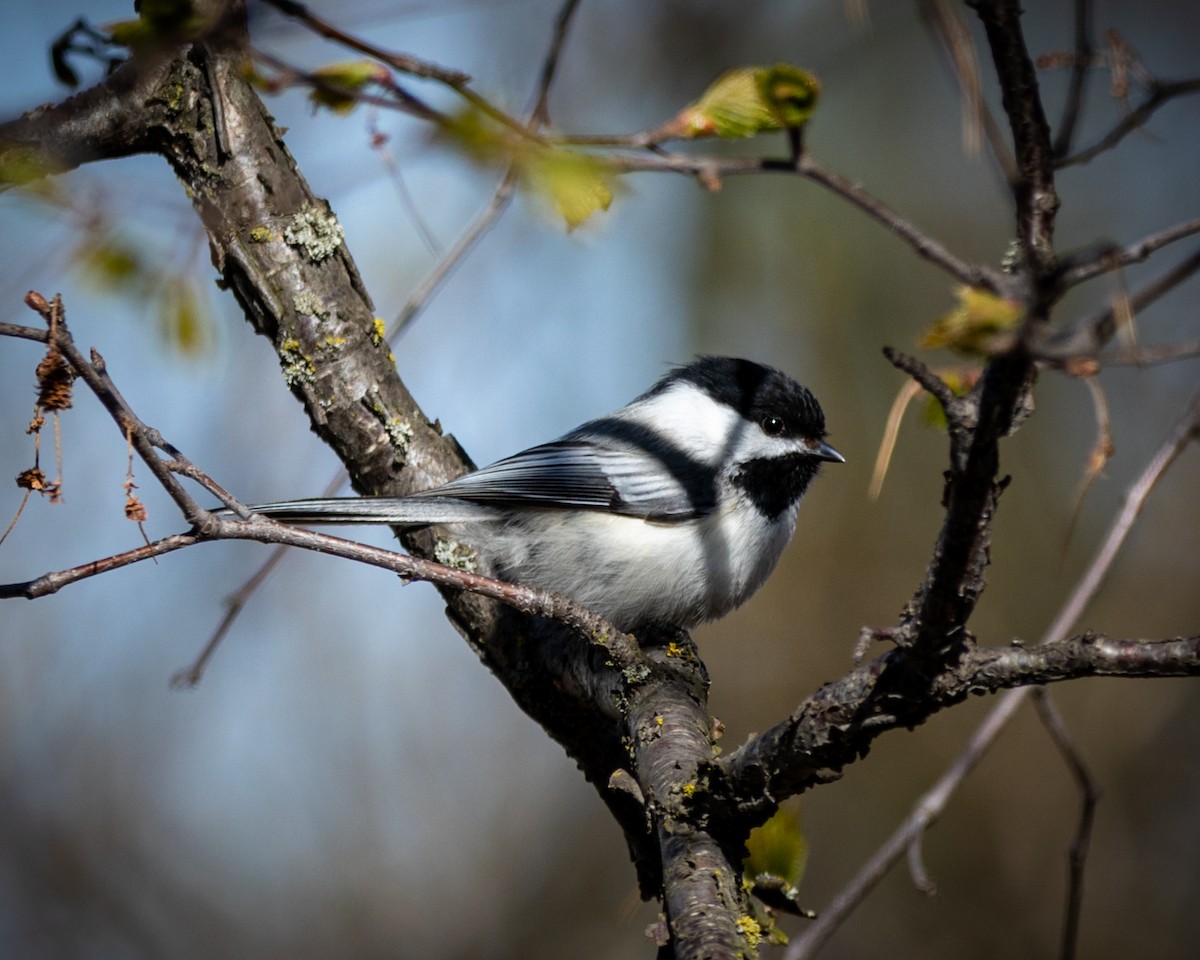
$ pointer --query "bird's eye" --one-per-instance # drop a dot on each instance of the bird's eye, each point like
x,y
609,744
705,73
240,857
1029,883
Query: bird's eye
x,y
772,426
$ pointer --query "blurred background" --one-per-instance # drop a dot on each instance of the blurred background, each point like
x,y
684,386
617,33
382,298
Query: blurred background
x,y
347,780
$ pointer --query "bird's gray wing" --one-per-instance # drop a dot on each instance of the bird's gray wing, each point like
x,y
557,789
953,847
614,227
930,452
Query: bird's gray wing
x,y
589,473
606,465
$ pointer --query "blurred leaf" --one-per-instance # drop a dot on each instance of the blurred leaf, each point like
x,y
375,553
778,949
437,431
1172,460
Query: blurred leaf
x,y
478,137
24,167
340,84
129,33
159,21
111,264
577,185
182,319
778,849
749,100
981,324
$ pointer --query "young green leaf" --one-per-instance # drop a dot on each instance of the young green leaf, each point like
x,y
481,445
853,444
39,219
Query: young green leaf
x,y
980,325
749,100
338,85
576,185
778,849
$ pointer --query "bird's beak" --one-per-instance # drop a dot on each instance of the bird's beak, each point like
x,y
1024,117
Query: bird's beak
x,y
823,451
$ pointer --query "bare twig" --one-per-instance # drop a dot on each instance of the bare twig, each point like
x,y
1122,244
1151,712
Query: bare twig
x,y
405,63
1184,431
530,600
1102,451
1161,92
446,265
539,115
972,274
379,143
1089,797
709,171
1144,356
1073,108
1114,258
1085,338
191,675
501,196
924,814
926,379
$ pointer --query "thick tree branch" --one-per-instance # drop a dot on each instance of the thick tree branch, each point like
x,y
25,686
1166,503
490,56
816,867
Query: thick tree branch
x,y
103,122
838,723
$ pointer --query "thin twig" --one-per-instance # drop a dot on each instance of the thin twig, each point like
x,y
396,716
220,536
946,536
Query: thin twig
x,y
400,98
1085,338
972,274
1185,430
236,602
446,265
501,196
924,814
1080,64
405,63
1089,797
49,583
530,600
1144,356
379,143
1160,93
926,378
1115,258
539,115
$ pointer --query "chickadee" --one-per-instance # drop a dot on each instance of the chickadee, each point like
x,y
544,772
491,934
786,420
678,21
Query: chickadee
x,y
671,511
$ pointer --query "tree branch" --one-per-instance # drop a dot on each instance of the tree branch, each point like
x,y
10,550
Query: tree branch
x,y
1085,338
1033,191
1073,107
1161,92
837,724
1114,258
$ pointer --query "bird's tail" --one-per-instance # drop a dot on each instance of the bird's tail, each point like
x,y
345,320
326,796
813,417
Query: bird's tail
x,y
397,511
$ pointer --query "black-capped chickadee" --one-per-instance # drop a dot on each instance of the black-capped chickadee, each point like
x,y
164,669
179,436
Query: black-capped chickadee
x,y
670,511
